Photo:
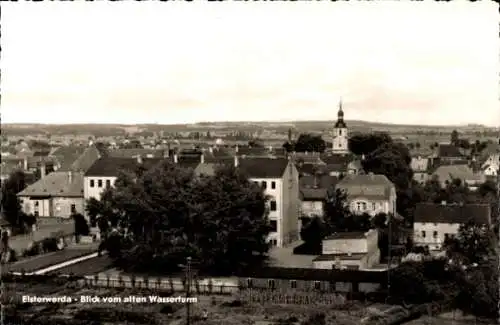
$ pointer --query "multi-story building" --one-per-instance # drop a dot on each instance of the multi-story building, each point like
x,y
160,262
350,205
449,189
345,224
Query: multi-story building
x,y
434,223
369,193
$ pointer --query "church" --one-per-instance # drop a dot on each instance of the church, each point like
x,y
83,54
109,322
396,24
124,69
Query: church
x,y
340,142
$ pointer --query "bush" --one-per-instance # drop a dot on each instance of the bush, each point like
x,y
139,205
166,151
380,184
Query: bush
x,y
49,244
33,249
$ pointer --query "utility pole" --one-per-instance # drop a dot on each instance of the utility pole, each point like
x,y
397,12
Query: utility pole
x,y
188,290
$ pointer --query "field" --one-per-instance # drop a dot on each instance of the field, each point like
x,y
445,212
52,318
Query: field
x,y
221,310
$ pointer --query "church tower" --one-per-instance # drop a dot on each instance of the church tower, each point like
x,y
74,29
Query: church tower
x,y
340,135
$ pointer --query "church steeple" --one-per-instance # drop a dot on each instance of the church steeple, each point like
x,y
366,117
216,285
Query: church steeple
x,y
340,117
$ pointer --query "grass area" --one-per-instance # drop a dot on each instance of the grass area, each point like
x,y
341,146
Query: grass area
x,y
46,260
88,267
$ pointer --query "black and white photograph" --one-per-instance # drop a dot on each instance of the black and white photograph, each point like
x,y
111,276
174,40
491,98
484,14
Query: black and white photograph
x,y
250,162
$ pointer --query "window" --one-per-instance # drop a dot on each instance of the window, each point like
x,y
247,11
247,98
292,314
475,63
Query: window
x,y
273,185
358,206
374,206
271,284
73,208
435,234
256,183
264,184
108,183
273,205
340,132
99,183
36,213
423,234
364,206
274,226
446,236
293,284
37,204
317,285
92,183
249,283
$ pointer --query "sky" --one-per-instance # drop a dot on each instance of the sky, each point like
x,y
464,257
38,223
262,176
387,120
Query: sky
x,y
184,62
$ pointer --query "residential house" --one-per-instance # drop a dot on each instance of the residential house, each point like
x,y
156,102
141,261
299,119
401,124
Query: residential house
x,y
313,194
446,174
336,164
58,194
369,193
449,153
491,165
420,167
104,172
434,223
355,167
349,250
280,180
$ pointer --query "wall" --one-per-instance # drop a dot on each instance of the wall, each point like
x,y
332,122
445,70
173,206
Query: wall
x,y
429,228
311,208
291,204
276,195
343,263
44,206
340,142
344,246
95,191
381,206
64,205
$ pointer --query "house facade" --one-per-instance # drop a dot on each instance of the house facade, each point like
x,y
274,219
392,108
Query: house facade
x,y
434,223
369,193
420,166
350,250
58,195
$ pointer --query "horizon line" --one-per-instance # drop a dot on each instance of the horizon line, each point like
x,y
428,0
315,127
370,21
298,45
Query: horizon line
x,y
253,121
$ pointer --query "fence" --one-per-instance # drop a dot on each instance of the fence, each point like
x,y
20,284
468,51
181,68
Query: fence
x,y
160,284
295,298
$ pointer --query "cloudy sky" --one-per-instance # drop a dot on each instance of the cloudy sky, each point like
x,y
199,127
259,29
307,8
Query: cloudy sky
x,y
175,62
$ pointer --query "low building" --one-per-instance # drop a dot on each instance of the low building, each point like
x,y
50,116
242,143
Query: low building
x,y
434,223
369,193
349,250
58,194
420,166
466,174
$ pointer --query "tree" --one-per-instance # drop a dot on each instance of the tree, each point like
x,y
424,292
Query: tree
x,y
81,226
170,214
11,206
337,212
364,144
312,233
306,143
454,137
256,143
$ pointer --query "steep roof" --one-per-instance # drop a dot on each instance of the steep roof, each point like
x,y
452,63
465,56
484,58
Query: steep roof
x,y
377,187
449,151
463,172
452,213
263,167
56,184
132,153
111,166
84,161
320,181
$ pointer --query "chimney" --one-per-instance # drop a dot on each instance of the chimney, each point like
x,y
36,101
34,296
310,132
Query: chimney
x,y
70,177
176,158
236,161
43,170
25,163
202,158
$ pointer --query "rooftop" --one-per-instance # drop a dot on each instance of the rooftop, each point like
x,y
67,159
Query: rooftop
x,y
452,213
56,184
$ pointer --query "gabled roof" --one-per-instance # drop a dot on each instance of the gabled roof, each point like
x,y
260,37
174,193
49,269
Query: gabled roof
x,y
463,172
84,161
320,181
452,213
263,167
449,151
377,187
132,153
56,184
111,166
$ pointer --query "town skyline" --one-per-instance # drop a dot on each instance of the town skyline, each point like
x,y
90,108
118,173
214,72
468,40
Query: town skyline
x,y
398,71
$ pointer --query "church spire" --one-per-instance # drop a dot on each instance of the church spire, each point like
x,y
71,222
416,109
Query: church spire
x,y
340,117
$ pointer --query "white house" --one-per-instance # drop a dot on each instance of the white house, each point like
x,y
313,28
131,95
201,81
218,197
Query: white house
x,y
349,250
492,165
58,194
369,193
104,172
280,180
434,223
